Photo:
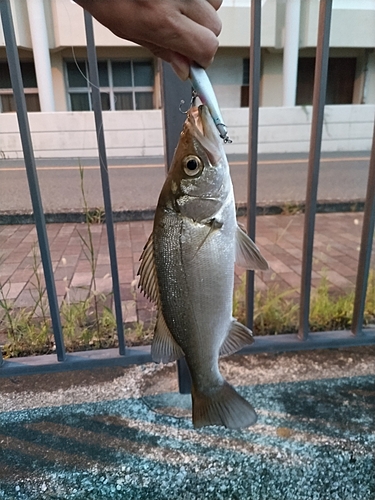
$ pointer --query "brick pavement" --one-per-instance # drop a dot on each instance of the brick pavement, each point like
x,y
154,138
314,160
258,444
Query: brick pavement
x,y
279,237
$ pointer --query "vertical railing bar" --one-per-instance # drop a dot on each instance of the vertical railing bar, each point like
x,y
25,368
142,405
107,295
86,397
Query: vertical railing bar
x,y
319,96
23,123
254,80
366,247
173,92
96,104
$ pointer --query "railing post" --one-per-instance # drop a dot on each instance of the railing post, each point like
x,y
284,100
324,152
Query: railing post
x,y
319,97
97,107
255,49
366,247
23,123
173,92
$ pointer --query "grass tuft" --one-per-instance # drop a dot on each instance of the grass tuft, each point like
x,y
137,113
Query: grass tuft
x,y
276,311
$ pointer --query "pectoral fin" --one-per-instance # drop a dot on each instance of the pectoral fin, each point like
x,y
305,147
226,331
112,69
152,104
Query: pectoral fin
x,y
148,281
239,336
212,224
248,255
164,348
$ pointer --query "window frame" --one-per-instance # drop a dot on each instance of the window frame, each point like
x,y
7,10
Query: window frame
x,y
8,91
111,89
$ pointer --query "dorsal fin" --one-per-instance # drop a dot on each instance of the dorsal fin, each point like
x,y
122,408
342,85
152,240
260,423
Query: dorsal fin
x,y
148,282
164,348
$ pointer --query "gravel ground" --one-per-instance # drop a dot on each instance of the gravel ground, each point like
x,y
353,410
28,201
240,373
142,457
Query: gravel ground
x,y
127,433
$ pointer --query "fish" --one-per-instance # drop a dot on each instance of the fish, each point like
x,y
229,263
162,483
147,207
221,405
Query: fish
x,y
187,270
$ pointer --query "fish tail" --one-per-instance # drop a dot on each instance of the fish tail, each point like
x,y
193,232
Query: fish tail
x,y
223,407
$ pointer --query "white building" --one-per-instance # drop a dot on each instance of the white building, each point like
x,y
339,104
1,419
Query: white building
x,y
52,46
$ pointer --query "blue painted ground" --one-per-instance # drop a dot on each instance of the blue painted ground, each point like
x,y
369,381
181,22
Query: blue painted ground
x,y
315,440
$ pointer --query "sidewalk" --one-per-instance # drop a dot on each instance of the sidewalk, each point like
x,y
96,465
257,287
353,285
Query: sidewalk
x,y
126,432
337,240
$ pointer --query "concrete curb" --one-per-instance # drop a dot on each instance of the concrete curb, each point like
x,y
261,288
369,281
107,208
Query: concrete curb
x,y
276,208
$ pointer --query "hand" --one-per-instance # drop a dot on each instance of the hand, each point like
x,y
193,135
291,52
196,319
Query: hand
x,y
178,31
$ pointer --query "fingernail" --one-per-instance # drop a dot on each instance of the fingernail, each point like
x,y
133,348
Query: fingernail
x,y
180,67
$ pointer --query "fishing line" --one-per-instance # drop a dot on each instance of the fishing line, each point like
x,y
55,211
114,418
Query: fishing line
x,y
72,47
82,74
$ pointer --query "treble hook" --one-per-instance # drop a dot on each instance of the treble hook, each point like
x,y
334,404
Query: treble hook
x,y
194,95
180,108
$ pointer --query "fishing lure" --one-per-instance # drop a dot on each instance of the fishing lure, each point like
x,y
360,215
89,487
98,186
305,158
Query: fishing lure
x,y
203,88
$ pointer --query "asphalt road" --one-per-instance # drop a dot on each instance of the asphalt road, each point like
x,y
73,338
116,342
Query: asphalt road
x,y
136,182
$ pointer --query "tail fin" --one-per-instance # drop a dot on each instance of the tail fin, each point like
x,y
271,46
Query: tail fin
x,y
225,407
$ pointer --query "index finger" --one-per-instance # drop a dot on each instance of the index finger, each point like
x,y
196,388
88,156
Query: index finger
x,y
203,12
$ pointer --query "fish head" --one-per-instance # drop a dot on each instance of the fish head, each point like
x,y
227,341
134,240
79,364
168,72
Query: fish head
x,y
198,182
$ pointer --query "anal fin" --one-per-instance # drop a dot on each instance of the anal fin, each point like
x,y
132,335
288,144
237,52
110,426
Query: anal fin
x,y
239,336
224,407
164,348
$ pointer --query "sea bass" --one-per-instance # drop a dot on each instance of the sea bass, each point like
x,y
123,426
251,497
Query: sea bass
x,y
187,270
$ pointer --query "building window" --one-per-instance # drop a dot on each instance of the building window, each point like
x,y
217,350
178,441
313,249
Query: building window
x,y
340,80
124,85
245,83
7,103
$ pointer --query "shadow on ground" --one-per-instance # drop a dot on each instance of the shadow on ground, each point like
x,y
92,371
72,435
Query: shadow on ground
x,y
313,440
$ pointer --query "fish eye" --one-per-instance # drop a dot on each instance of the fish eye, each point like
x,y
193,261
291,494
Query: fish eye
x,y
192,165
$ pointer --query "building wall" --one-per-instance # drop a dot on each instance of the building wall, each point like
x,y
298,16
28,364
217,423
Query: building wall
x,y
226,73
352,24
287,130
369,82
353,35
58,81
272,78
235,17
139,133
69,28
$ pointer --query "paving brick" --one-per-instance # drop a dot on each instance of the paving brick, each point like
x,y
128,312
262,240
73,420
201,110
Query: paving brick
x,y
292,279
81,279
336,279
12,290
279,238
129,311
278,266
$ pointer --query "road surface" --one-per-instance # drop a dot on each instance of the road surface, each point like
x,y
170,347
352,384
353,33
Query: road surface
x,y
136,182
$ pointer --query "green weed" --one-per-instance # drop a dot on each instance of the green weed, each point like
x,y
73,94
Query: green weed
x,y
330,312
289,208
139,333
276,311
28,330
87,324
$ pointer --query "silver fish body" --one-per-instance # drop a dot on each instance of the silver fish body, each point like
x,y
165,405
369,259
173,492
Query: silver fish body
x,y
187,269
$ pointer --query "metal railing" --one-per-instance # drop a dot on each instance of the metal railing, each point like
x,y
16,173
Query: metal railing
x,y
172,92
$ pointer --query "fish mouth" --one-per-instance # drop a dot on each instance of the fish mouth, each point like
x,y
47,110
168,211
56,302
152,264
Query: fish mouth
x,y
203,129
